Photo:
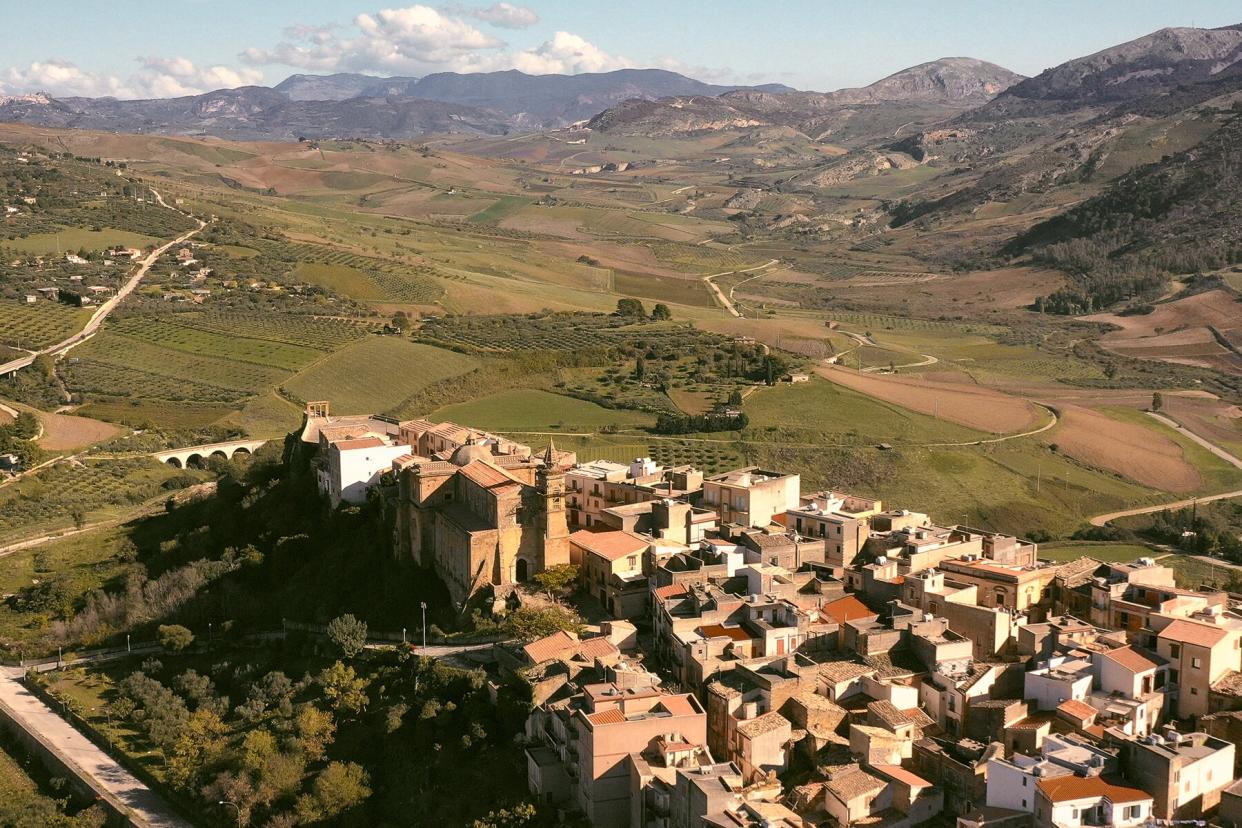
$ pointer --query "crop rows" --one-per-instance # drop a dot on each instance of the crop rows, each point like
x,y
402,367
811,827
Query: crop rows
x,y
116,381
320,334
880,321
401,282
209,343
556,332
126,352
38,325
55,493
711,458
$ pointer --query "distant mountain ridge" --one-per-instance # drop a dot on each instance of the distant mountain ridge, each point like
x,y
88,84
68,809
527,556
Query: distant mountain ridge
x,y
939,88
1136,69
319,106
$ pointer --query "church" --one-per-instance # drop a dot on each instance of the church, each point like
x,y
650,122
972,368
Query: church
x,y
479,509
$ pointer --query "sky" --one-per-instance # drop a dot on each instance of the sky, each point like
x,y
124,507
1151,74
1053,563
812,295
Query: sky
x,y
166,48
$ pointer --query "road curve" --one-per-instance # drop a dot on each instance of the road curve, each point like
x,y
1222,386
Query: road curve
x,y
1187,433
1100,520
102,312
725,301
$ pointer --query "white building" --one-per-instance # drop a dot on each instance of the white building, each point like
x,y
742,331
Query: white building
x,y
1057,681
354,466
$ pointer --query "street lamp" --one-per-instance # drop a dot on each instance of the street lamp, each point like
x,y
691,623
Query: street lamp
x,y
423,606
235,807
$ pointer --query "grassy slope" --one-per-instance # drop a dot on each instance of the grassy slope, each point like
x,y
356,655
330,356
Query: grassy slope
x,y
529,410
376,374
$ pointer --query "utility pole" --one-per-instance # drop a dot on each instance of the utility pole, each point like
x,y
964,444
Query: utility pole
x,y
423,606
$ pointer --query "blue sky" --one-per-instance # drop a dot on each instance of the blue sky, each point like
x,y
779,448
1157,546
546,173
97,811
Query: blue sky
x,y
138,48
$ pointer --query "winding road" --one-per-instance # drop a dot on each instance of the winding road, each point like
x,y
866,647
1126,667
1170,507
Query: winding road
x,y
727,301
102,312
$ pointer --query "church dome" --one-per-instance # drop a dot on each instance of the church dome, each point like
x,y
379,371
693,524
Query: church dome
x,y
472,450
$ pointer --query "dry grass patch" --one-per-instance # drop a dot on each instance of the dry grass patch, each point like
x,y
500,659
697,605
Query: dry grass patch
x,y
63,432
1133,451
968,405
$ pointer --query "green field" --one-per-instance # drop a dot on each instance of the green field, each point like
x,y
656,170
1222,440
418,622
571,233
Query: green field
x,y
527,410
341,278
502,209
38,325
1101,551
73,240
376,374
1194,571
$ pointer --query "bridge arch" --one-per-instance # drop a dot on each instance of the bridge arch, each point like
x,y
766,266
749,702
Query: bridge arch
x,y
174,461
194,461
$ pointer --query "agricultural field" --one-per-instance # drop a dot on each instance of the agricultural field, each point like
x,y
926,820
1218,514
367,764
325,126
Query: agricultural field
x,y
535,411
73,240
39,325
375,375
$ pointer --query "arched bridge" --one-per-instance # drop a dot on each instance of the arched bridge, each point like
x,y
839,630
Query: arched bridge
x,y
198,455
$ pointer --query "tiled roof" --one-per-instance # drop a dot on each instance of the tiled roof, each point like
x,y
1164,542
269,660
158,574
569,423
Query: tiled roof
x,y
887,713
597,647
900,774
766,723
610,546
1188,632
838,671
671,591
851,784
550,646
1077,709
1067,788
846,609
1131,660
612,715
1229,683
487,476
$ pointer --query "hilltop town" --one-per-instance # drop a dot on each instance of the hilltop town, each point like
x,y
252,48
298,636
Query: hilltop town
x,y
766,656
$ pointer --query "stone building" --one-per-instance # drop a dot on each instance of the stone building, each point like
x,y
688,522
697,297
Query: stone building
x,y
488,514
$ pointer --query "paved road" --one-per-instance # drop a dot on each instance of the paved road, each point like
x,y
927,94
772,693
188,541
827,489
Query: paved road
x,y
77,751
101,313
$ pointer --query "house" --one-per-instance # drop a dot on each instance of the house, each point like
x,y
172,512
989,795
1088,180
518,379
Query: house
x,y
1200,649
611,569
10,463
841,520
592,488
1071,801
751,497
1185,772
31,298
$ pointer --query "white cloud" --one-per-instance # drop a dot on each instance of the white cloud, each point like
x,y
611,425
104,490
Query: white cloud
x,y
420,40
503,15
60,78
568,54
157,77
176,77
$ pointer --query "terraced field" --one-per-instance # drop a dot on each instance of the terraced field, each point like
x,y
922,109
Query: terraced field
x,y
191,340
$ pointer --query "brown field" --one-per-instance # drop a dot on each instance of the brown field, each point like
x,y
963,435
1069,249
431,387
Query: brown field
x,y
1133,451
968,405
62,432
1180,331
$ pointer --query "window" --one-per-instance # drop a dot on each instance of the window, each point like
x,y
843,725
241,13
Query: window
x,y
1024,801
1194,691
1134,811
1024,785
1196,663
1172,677
632,561
1175,650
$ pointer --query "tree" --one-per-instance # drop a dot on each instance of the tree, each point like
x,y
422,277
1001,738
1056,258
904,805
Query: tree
x,y
348,634
640,368
630,307
199,745
518,816
557,578
735,398
343,688
530,623
315,731
174,637
338,787
661,312
1157,401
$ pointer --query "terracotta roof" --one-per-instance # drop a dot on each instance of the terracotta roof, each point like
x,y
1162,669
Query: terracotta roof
x,y
677,705
487,476
610,546
550,646
597,647
851,784
1131,660
847,609
717,630
1077,709
612,715
671,591
839,671
360,443
1188,632
900,774
1067,788
887,713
